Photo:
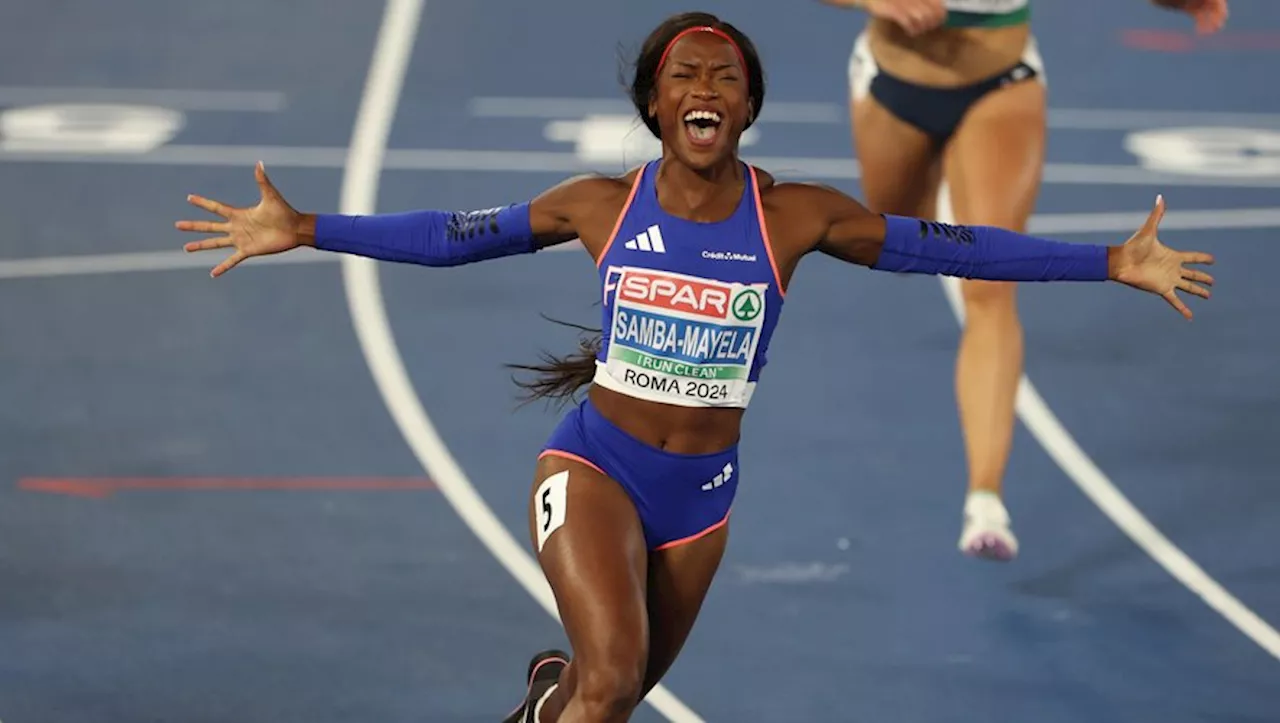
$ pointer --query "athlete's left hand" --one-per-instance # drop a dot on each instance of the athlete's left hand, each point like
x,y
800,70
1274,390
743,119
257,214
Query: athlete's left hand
x,y
1210,15
1145,263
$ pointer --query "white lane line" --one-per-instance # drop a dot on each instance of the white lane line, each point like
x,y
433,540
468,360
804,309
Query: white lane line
x,y
1128,222
185,99
364,297
551,108
1067,453
805,112
1116,119
559,162
1059,224
195,155
88,264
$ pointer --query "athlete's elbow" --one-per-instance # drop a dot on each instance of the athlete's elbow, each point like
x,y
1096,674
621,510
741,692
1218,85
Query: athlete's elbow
x,y
871,255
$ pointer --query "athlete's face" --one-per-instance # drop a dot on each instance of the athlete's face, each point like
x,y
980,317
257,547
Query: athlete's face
x,y
701,100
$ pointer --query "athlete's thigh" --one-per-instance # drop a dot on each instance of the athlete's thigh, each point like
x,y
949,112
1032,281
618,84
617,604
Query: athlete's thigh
x,y
592,550
679,578
899,162
995,160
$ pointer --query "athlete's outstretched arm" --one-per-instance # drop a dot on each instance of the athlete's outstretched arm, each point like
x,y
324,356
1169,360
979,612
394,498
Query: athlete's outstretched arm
x,y
429,238
884,242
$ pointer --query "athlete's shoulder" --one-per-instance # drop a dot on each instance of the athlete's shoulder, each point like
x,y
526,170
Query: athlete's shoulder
x,y
584,207
763,178
794,195
800,213
788,195
594,187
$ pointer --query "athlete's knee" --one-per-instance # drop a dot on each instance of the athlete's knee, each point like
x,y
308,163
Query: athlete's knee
x,y
610,689
989,297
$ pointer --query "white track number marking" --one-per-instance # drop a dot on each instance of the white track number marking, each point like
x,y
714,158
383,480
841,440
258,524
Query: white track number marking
x,y
606,138
549,503
88,128
1208,151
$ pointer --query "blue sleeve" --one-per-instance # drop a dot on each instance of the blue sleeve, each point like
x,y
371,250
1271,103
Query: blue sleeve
x,y
430,238
914,246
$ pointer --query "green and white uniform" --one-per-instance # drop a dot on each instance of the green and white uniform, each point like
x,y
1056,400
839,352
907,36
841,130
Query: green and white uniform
x,y
987,13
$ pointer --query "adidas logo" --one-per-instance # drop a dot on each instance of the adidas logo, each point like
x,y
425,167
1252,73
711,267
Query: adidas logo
x,y
648,240
720,479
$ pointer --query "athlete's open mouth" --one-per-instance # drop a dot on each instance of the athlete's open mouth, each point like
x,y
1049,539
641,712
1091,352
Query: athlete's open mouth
x,y
702,126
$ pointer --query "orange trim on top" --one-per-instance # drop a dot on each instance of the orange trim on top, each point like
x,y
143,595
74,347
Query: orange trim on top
x,y
622,216
764,231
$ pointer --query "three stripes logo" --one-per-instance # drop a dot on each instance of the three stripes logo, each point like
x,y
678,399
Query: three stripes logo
x,y
724,476
648,240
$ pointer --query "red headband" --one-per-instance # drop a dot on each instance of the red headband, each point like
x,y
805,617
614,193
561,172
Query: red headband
x,y
699,29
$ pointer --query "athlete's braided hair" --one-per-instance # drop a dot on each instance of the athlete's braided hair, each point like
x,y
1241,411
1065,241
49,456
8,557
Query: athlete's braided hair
x,y
560,378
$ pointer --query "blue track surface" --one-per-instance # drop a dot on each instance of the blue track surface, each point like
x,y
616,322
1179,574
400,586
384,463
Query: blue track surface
x,y
842,596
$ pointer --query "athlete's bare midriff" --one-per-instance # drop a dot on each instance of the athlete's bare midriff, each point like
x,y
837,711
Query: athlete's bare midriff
x,y
681,430
946,57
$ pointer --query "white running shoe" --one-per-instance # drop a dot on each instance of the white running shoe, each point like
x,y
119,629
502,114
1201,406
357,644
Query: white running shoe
x,y
986,532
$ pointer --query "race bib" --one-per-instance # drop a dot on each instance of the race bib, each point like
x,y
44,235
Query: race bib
x,y
682,339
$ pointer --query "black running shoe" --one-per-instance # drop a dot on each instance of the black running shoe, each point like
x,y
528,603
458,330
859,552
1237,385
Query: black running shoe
x,y
544,671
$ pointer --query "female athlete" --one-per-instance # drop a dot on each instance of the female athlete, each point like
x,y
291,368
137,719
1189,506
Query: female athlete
x,y
954,90
631,497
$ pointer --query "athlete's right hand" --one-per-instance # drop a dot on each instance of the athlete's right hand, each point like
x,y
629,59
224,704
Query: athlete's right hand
x,y
1210,15
270,227
914,16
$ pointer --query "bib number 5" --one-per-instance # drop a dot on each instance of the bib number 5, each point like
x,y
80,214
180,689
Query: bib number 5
x,y
551,497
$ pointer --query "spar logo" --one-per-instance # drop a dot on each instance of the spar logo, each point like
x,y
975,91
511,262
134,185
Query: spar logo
x,y
663,291
699,297
747,305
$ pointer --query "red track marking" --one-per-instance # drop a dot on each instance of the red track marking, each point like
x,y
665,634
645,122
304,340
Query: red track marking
x,y
99,487
1171,41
